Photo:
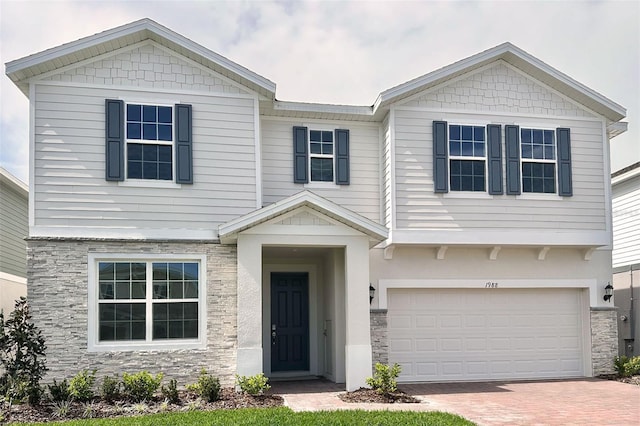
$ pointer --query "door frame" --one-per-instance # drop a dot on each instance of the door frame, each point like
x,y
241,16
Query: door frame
x,y
315,352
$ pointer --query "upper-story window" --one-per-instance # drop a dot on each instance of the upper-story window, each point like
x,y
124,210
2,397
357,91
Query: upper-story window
x,y
538,156
149,142
321,155
467,158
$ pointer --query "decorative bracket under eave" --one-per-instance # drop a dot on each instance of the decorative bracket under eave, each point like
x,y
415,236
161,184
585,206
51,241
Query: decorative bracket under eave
x,y
493,255
542,253
587,254
388,252
441,252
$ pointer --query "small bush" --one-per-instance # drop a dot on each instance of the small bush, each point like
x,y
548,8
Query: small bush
x,y
110,388
384,378
171,391
141,386
627,367
81,385
208,387
253,385
59,391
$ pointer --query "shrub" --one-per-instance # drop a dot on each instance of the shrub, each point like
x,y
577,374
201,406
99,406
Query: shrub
x,y
81,385
253,385
141,386
384,378
171,391
110,388
22,354
208,387
627,367
59,391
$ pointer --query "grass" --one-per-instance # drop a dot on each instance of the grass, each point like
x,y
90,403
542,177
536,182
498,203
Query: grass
x,y
279,417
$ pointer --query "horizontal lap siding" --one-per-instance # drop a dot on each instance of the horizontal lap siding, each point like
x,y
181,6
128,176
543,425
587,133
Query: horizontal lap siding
x,y
386,174
362,195
626,223
13,231
419,207
69,164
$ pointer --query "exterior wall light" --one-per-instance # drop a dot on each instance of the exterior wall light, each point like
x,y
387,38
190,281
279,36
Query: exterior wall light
x,y
372,292
608,292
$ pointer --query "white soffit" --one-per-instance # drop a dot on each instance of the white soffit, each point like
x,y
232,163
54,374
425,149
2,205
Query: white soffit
x,y
229,231
22,69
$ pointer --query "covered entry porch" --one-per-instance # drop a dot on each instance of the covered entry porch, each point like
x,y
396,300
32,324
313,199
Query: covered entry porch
x,y
303,280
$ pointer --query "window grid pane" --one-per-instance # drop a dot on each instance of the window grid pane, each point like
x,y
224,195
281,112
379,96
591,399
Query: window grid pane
x,y
149,123
538,176
321,155
467,175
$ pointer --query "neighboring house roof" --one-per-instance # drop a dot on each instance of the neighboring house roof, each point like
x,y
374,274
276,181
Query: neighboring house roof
x,y
625,173
7,178
85,48
21,70
376,232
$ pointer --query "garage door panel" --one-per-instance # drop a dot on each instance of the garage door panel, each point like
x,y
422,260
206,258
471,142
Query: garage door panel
x,y
462,337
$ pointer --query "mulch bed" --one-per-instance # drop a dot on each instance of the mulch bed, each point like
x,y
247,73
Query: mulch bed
x,y
371,396
229,399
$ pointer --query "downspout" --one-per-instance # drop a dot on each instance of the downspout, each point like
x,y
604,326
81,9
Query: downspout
x,y
632,326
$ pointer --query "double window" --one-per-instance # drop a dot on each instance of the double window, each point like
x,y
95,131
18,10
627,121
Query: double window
x,y
147,302
321,156
467,158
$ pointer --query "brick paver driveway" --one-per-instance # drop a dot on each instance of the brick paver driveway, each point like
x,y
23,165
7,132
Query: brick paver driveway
x,y
556,402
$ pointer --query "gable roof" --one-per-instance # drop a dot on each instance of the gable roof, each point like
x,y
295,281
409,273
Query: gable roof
x,y
7,178
229,231
85,48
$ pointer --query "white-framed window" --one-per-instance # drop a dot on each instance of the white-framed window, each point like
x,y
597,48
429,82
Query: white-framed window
x,y
146,302
149,133
467,158
538,160
321,155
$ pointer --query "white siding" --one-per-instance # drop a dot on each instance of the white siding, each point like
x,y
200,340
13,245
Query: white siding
x,y
70,187
386,174
626,222
419,207
14,228
362,195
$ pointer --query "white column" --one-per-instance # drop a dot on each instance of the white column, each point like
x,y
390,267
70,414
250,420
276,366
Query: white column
x,y
249,306
358,334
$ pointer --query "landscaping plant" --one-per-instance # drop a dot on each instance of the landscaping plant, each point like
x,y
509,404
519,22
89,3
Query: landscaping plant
x,y
627,367
22,355
59,391
171,391
384,379
208,387
110,388
81,385
141,386
253,385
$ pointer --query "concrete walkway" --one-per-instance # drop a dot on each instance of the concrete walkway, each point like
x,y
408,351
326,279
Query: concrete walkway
x,y
556,402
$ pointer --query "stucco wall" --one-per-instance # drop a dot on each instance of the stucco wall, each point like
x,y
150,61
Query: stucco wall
x,y
58,282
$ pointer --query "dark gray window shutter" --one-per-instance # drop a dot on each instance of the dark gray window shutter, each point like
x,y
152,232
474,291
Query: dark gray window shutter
x,y
494,157
184,144
342,157
114,143
565,184
512,137
300,155
440,157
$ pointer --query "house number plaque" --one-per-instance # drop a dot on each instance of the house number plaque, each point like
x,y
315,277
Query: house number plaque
x,y
490,284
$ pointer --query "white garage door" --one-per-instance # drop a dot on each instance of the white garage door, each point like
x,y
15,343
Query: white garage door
x,y
485,334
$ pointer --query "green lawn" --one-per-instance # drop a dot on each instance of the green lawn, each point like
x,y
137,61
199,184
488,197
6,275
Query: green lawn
x,y
279,417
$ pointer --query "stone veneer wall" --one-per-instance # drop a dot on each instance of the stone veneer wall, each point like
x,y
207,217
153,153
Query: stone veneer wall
x,y
57,291
604,340
379,342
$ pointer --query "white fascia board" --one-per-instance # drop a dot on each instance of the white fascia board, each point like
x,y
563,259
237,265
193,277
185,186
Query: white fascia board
x,y
228,232
77,232
323,108
507,52
627,175
503,238
146,24
20,186
617,128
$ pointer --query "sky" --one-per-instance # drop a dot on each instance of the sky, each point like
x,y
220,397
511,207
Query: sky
x,y
347,52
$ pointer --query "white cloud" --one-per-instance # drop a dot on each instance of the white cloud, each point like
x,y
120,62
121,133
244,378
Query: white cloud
x,y
347,52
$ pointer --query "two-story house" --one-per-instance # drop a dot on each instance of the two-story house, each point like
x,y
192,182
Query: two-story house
x,y
183,217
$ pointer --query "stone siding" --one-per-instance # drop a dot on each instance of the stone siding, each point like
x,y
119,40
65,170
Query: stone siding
x,y
58,282
379,342
604,340
499,88
148,66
